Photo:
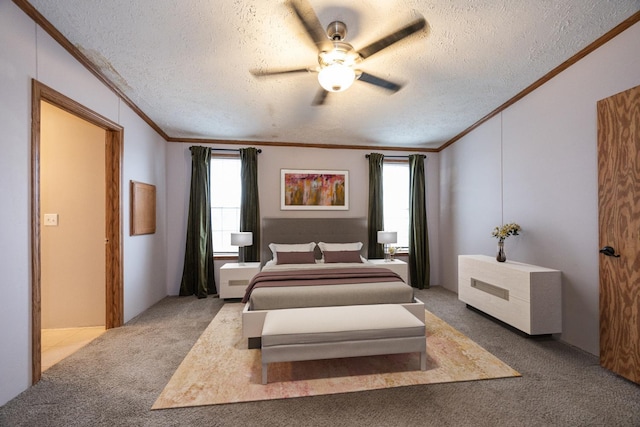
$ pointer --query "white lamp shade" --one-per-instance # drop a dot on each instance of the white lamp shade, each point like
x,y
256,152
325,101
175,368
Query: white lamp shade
x,y
242,238
336,77
387,236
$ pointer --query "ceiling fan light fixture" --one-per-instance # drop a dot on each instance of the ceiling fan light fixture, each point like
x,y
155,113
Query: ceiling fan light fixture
x,y
338,62
342,53
336,77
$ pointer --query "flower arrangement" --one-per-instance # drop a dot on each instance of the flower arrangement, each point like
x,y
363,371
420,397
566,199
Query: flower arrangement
x,y
392,252
501,233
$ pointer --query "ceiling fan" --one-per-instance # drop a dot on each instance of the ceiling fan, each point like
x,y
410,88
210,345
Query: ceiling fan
x,y
338,60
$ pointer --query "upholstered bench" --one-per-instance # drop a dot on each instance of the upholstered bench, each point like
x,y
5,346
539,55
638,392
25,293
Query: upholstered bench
x,y
313,333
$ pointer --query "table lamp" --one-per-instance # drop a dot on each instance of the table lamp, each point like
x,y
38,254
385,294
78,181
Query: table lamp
x,y
386,237
241,239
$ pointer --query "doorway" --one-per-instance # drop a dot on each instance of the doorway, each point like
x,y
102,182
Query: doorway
x,y
110,190
72,199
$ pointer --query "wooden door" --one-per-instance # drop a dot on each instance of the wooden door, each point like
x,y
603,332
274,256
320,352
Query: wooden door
x,y
619,225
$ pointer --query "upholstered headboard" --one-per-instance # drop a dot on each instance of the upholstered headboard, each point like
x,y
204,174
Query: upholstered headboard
x,y
304,230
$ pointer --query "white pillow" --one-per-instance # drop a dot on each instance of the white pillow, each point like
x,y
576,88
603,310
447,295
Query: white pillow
x,y
286,247
340,246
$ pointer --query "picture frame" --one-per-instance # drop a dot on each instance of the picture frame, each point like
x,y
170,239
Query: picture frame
x,y
143,208
309,189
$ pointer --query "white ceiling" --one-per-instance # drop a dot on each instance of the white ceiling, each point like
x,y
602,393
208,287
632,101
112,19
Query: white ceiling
x,y
185,63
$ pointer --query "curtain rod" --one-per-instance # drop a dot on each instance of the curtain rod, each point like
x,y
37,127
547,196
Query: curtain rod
x,y
396,157
230,149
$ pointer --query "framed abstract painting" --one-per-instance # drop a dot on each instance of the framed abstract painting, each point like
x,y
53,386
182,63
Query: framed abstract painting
x,y
303,189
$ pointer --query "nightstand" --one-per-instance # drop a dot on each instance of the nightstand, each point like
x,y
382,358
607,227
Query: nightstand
x,y
397,266
234,278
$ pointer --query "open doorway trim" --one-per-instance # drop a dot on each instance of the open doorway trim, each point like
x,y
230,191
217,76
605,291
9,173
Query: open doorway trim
x,y
113,225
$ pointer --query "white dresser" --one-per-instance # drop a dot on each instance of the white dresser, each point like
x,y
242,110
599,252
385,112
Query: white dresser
x,y
234,278
524,296
397,266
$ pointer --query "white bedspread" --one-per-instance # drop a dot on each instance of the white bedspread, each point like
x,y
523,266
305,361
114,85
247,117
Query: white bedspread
x,y
272,298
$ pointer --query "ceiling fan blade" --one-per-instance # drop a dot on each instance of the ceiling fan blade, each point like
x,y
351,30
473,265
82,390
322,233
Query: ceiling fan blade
x,y
320,97
392,38
377,81
266,73
311,23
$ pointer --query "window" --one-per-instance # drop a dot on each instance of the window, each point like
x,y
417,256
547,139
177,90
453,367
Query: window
x,y
395,190
226,190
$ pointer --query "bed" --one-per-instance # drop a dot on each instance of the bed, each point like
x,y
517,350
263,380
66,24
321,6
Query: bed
x,y
331,266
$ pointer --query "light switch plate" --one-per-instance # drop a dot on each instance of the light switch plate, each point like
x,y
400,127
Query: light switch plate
x,y
51,220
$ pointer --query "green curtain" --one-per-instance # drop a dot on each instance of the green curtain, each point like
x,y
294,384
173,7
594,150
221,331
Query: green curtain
x,y
419,268
376,213
197,274
250,202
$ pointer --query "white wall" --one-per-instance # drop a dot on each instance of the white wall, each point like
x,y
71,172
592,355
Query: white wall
x,y
470,198
145,255
27,52
16,60
542,174
270,161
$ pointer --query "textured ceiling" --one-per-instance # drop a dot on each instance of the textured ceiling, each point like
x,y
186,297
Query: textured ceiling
x,y
185,63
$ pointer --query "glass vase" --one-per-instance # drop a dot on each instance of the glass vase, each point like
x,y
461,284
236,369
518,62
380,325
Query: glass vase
x,y
501,257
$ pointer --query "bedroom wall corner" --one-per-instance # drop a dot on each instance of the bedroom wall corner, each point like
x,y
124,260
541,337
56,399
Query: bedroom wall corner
x,y
178,164
470,198
548,184
143,160
28,52
432,172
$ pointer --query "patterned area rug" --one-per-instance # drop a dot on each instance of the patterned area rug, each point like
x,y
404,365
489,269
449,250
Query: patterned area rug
x,y
221,369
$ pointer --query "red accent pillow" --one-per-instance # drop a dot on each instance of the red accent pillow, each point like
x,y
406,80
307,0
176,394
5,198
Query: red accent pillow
x,y
295,258
342,256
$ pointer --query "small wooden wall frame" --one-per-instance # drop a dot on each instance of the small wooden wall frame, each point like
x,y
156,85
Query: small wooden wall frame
x,y
143,208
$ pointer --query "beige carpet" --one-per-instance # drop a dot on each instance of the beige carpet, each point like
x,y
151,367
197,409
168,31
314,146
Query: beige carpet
x,y
220,369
